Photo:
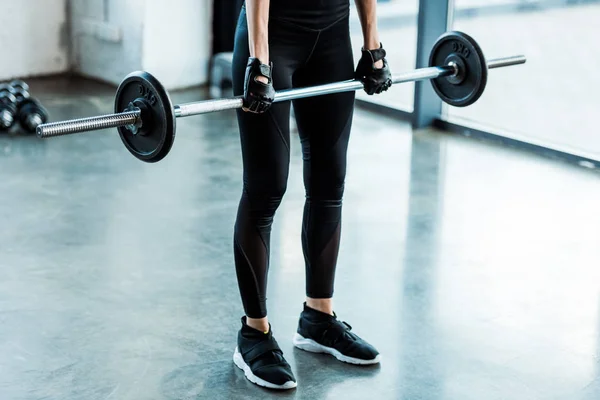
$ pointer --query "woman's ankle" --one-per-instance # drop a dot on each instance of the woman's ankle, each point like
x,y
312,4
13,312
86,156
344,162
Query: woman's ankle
x,y
323,305
260,324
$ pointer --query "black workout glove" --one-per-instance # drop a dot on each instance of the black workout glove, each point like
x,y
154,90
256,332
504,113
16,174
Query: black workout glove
x,y
375,80
258,96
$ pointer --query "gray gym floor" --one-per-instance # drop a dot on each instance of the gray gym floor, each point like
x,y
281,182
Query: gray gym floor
x,y
473,268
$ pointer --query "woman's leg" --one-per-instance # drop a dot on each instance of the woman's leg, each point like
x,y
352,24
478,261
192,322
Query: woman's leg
x,y
265,153
324,124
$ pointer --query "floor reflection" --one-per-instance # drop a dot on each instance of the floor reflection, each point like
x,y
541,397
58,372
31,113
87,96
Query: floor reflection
x,y
422,370
472,268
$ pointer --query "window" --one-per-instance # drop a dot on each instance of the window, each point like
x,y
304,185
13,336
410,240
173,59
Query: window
x,y
553,98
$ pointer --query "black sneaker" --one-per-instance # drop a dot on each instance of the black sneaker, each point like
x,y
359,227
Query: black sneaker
x,y
322,333
261,359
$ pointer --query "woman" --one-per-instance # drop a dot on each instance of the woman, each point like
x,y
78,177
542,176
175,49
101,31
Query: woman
x,y
280,44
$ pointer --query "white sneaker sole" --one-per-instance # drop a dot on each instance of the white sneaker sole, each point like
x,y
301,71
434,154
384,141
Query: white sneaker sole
x,y
310,345
238,360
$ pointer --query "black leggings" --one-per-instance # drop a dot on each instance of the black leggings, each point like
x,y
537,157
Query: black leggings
x,y
303,54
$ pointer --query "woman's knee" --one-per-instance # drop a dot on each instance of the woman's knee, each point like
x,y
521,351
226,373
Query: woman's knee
x,y
331,195
327,186
266,196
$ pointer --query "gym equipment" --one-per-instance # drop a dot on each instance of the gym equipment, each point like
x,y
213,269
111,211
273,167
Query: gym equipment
x,y
17,83
145,117
16,104
31,114
151,135
4,87
8,110
21,94
460,89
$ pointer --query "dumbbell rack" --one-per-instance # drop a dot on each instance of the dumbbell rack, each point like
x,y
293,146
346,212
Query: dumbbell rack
x,y
19,108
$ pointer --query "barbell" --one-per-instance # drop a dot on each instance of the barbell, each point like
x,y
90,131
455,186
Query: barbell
x,y
145,116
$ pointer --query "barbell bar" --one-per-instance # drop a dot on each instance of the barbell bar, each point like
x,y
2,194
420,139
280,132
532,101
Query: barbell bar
x,y
145,116
208,106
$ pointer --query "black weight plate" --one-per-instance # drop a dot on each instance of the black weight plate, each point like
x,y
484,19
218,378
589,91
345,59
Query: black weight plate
x,y
469,88
157,134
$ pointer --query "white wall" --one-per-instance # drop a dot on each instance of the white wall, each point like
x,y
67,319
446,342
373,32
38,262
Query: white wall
x,y
107,37
177,41
33,38
169,38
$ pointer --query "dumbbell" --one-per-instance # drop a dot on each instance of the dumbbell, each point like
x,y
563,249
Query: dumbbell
x,y
31,114
21,94
17,83
8,107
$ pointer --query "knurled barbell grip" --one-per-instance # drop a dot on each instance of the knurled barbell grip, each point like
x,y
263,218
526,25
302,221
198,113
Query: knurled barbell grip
x,y
87,124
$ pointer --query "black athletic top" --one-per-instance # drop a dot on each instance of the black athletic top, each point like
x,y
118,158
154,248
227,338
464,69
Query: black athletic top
x,y
314,14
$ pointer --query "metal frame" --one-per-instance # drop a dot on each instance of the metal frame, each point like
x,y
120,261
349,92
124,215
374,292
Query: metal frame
x,y
433,21
520,142
435,17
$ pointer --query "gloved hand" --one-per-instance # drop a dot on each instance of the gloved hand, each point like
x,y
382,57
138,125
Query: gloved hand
x,y
375,80
258,96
